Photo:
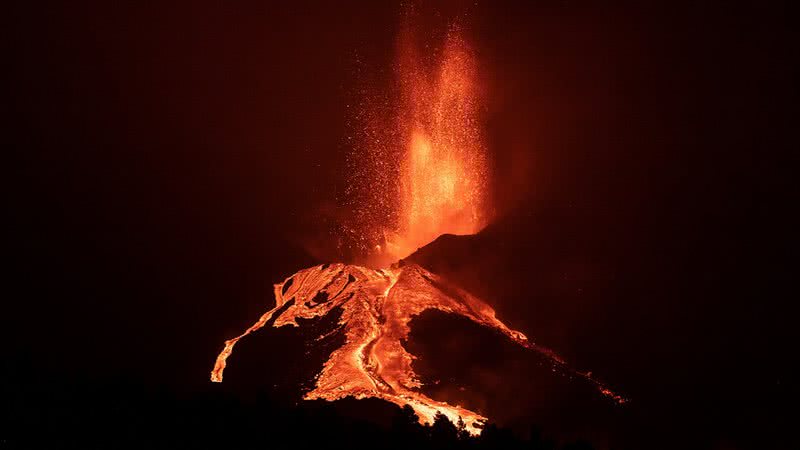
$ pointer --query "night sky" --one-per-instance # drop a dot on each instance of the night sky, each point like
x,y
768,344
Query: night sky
x,y
169,163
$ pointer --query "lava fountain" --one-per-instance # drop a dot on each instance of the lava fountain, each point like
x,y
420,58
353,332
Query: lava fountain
x,y
429,179
419,166
444,170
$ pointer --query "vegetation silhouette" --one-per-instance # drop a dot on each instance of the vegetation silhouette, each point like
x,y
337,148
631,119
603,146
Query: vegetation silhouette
x,y
44,411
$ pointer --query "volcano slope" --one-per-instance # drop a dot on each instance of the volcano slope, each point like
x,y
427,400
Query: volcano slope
x,y
375,309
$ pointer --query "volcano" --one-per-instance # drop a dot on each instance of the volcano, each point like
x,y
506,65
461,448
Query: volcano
x,y
420,172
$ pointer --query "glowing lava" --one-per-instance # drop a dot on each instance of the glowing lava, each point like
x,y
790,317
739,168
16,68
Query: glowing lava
x,y
377,306
443,174
416,177
419,165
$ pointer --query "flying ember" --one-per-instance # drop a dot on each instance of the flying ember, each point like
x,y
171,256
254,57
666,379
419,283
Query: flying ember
x,y
420,173
419,165
443,172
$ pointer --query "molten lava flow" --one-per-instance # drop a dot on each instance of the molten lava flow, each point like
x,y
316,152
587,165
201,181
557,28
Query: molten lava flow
x,y
377,306
421,172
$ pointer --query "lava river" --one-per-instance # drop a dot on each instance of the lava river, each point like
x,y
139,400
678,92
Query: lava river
x,y
377,306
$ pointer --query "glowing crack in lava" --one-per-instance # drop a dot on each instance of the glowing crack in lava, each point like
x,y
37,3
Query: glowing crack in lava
x,y
377,306
417,177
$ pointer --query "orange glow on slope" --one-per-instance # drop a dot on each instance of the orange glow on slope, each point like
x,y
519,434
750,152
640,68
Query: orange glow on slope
x,y
377,306
416,177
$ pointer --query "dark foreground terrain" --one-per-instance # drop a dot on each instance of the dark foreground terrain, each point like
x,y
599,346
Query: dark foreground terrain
x,y
42,412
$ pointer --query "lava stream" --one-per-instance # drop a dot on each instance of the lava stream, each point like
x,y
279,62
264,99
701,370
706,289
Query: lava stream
x,y
377,306
420,170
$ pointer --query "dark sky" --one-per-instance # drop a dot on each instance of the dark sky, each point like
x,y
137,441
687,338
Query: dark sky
x,y
169,163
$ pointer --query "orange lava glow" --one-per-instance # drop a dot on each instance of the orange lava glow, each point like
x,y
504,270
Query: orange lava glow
x,y
377,306
420,165
418,174
443,173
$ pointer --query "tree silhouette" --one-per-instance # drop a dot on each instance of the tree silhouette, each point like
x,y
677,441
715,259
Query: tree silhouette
x,y
463,434
406,431
58,413
443,433
496,437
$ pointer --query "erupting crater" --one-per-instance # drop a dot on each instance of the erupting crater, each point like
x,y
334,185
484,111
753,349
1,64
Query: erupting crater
x,y
420,173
